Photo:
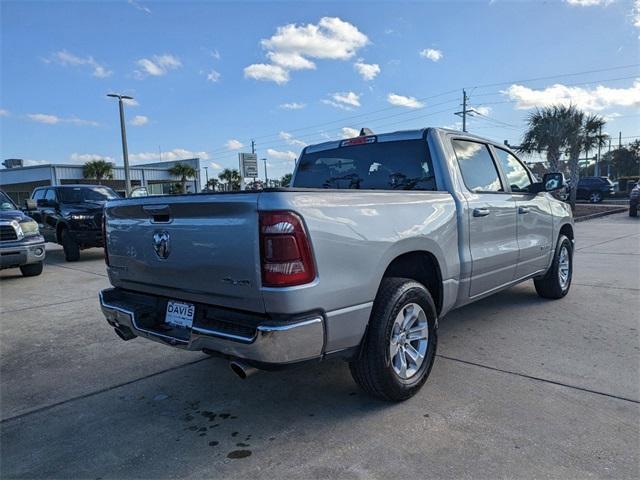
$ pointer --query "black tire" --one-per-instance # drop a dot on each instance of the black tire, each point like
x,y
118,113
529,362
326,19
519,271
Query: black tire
x,y
595,197
633,210
372,370
32,270
551,286
71,248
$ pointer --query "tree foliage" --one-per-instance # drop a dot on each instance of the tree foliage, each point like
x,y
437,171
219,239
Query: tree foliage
x,y
230,178
98,169
184,171
285,181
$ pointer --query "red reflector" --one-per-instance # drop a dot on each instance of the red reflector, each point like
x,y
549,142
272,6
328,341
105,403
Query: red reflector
x,y
357,141
284,250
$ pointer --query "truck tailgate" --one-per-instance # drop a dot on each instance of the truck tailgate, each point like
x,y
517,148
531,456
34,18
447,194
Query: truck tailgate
x,y
202,248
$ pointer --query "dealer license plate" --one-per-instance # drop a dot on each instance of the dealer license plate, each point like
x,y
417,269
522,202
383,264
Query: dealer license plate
x,y
180,314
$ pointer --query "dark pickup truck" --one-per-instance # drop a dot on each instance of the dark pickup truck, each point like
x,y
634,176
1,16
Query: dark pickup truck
x,y
71,215
21,244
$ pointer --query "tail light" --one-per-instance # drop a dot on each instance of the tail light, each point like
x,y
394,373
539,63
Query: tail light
x,y
104,238
285,252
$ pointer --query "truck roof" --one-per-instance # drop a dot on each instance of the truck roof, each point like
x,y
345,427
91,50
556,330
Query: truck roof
x,y
414,134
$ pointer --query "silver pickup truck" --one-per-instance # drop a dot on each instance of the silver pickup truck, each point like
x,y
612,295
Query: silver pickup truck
x,y
378,237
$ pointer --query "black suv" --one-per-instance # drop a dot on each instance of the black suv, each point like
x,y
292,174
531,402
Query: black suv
x,y
594,189
71,215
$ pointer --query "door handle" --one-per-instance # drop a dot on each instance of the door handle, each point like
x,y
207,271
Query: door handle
x,y
481,212
523,210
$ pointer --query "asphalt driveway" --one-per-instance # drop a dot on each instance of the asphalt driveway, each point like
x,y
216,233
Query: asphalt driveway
x,y
522,387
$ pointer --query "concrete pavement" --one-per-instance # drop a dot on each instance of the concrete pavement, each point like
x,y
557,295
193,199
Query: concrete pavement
x,y
522,387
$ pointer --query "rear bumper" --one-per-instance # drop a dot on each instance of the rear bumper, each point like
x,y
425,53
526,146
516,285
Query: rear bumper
x,y
22,252
268,341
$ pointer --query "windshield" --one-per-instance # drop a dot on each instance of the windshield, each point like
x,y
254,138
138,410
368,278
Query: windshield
x,y
398,165
6,203
85,194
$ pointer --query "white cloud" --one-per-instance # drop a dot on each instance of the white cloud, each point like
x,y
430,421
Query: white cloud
x,y
130,102
293,106
597,98
483,110
293,46
402,101
635,13
343,100
287,137
213,76
66,58
266,72
89,157
54,119
139,6
157,66
233,144
215,54
4,113
432,54
368,71
32,163
168,156
588,3
280,155
139,120
348,132
215,166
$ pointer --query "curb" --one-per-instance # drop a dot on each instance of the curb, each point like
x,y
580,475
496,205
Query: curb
x,y
600,214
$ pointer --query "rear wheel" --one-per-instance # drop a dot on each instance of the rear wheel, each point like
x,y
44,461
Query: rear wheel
x,y
71,248
400,344
32,270
556,282
595,197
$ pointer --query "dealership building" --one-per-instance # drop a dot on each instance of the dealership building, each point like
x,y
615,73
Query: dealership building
x,y
19,181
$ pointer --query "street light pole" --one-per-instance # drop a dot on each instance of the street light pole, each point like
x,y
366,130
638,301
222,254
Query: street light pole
x,y
206,176
266,178
123,132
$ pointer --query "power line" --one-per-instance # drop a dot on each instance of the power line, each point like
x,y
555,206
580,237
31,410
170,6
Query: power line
x,y
365,114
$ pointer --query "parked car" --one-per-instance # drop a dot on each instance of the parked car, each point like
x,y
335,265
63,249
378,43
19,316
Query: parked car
x,y
21,245
595,189
71,215
634,199
378,237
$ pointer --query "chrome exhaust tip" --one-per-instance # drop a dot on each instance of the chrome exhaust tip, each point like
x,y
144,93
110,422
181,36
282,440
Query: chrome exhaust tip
x,y
241,369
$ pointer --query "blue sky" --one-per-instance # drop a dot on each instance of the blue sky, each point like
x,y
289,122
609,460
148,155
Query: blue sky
x,y
209,76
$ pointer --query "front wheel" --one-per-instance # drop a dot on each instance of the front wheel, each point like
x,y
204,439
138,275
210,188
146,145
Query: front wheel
x,y
32,270
556,282
400,345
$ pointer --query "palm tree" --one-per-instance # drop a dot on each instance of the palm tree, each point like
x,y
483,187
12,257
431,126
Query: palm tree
x,y
285,181
212,184
585,135
231,178
98,169
184,171
548,131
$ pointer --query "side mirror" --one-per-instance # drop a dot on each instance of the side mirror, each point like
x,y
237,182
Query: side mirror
x,y
30,205
553,181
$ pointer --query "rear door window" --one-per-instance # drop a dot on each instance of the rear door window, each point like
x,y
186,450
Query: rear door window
x,y
38,194
396,165
476,165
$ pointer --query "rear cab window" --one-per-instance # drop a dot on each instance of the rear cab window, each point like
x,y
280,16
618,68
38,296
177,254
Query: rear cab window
x,y
364,163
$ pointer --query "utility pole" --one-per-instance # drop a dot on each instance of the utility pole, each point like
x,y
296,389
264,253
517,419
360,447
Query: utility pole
x,y
206,176
609,162
266,179
619,140
464,111
123,132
